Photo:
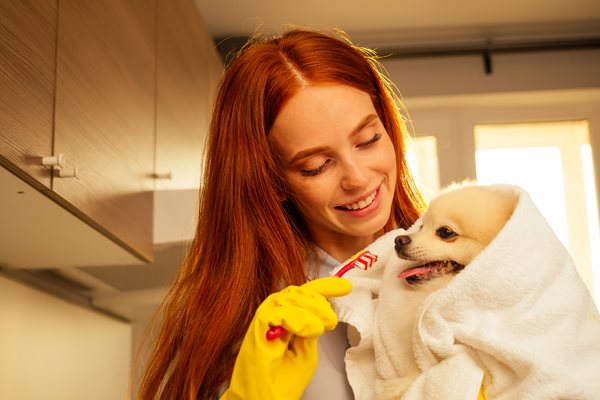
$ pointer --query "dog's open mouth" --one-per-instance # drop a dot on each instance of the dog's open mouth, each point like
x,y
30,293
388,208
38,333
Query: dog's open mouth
x,y
429,271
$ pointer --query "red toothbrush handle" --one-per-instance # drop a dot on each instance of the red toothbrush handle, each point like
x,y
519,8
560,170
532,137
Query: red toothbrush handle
x,y
275,331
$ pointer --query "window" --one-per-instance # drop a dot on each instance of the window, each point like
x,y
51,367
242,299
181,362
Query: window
x,y
421,155
553,162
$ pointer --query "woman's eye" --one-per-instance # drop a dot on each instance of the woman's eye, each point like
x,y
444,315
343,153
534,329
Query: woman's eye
x,y
316,171
371,141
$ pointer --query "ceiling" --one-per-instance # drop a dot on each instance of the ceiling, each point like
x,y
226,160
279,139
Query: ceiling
x,y
397,22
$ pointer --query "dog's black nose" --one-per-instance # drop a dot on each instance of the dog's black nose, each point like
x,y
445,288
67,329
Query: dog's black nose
x,y
402,240
399,244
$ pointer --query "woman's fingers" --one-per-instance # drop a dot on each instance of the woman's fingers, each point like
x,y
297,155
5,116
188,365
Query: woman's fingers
x,y
329,287
298,321
303,310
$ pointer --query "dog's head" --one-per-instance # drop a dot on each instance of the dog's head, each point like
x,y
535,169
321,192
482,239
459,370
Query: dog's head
x,y
458,224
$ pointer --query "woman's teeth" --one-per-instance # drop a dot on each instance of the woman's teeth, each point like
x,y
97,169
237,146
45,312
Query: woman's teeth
x,y
359,205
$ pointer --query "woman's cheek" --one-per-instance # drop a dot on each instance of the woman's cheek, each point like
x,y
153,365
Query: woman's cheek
x,y
313,192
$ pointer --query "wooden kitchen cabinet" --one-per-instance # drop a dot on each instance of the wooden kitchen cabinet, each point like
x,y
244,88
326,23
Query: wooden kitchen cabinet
x,y
104,118
188,68
27,72
121,88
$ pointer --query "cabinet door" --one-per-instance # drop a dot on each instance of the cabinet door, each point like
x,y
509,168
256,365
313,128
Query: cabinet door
x,y
185,58
104,120
27,65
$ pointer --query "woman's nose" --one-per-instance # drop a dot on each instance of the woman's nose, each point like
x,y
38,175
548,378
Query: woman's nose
x,y
353,175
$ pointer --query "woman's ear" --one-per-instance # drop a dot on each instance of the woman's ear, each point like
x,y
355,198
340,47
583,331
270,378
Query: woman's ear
x,y
287,204
281,189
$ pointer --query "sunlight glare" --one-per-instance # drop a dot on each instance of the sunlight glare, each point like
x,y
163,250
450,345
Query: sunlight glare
x,y
538,170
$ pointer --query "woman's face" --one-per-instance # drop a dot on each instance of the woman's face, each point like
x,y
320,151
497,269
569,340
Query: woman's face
x,y
340,162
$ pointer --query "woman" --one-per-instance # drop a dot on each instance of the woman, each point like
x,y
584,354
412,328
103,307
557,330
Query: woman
x,y
304,166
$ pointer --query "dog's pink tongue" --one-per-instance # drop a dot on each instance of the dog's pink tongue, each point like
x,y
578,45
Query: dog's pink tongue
x,y
420,270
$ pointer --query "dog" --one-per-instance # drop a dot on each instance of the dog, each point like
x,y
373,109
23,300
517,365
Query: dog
x,y
458,224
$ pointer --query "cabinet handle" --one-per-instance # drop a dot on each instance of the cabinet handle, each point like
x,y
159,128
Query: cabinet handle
x,y
57,163
163,175
54,161
67,172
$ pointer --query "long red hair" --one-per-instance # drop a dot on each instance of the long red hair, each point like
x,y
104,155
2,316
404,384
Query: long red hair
x,y
248,243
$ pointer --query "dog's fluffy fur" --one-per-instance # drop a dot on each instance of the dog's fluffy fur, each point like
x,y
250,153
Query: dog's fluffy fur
x,y
458,224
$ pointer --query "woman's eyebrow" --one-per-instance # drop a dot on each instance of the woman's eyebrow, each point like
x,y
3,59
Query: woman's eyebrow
x,y
306,153
366,121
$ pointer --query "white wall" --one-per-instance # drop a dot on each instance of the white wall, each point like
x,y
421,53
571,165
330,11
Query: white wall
x,y
447,96
54,350
459,75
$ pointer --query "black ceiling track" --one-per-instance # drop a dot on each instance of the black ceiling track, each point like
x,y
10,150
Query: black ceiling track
x,y
489,48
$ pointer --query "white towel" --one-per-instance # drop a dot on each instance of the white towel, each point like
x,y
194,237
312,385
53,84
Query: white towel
x,y
518,315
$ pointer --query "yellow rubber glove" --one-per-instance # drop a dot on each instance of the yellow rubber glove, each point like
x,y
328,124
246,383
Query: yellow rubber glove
x,y
480,396
281,369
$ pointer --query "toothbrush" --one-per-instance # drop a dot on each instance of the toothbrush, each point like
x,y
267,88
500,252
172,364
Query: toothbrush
x,y
363,259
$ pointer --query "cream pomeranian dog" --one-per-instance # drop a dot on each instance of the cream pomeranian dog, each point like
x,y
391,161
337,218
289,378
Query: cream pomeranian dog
x,y
457,225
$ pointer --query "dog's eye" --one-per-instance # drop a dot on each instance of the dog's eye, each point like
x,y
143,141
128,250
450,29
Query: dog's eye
x,y
445,233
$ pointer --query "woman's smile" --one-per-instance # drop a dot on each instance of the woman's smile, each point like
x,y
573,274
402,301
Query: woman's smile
x,y
362,204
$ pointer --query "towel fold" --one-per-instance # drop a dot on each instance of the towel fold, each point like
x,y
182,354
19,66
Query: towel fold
x,y
518,315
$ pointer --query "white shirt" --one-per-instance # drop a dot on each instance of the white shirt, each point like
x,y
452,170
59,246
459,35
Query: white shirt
x,y
329,380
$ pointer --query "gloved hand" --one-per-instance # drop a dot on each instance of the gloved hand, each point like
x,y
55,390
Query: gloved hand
x,y
281,369
481,396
